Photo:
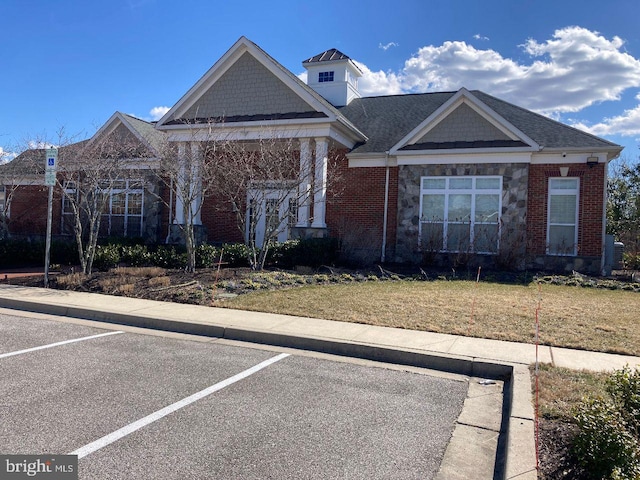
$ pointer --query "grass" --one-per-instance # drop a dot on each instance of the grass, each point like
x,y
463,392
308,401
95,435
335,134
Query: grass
x,y
562,389
584,318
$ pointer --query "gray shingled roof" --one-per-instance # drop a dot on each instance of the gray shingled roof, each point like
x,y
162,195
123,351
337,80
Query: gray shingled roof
x,y
147,130
31,161
328,56
386,120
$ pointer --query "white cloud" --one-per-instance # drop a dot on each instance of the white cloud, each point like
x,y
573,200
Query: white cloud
x,y
388,45
572,70
6,156
627,124
39,145
158,112
378,83
477,36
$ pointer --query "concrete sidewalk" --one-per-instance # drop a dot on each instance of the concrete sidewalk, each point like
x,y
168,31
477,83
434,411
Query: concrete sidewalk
x,y
474,357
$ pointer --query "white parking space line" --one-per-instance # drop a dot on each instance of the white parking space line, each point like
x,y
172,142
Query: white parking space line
x,y
143,422
57,344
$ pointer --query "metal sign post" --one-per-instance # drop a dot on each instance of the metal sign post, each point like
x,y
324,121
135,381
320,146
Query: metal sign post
x,y
50,168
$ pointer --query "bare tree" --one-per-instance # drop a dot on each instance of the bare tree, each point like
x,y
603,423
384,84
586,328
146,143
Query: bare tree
x,y
89,174
186,175
260,180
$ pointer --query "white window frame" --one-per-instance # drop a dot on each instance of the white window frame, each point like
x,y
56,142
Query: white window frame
x,y
127,191
473,191
563,191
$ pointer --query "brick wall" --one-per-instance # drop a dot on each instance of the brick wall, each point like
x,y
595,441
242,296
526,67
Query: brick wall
x,y
355,210
590,206
28,211
220,220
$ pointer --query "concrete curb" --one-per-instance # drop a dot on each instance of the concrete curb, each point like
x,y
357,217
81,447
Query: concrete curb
x,y
515,455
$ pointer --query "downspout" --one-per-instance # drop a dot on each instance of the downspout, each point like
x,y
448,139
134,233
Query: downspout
x,y
383,255
169,221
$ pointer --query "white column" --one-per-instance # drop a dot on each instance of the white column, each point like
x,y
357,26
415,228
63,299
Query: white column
x,y
304,189
320,183
195,183
178,217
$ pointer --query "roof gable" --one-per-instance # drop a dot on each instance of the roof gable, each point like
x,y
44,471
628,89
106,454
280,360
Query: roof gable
x,y
247,88
246,84
137,137
463,121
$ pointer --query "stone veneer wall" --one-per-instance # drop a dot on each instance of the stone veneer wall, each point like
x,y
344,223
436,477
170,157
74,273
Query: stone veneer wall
x,y
513,219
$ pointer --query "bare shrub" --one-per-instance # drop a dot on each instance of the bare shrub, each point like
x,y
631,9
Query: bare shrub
x,y
159,282
72,280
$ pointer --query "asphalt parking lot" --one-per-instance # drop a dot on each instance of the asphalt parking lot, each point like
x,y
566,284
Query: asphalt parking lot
x,y
141,406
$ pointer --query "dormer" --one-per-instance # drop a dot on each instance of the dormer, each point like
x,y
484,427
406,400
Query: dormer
x,y
334,76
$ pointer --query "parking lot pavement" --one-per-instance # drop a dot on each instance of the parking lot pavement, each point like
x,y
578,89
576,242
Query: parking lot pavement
x,y
139,406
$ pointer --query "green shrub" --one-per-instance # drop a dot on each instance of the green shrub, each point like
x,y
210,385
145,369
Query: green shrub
x,y
312,252
632,261
106,257
169,257
207,256
603,443
624,388
235,254
135,255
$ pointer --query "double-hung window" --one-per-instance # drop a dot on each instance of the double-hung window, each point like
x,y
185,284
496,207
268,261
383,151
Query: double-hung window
x,y
460,214
562,217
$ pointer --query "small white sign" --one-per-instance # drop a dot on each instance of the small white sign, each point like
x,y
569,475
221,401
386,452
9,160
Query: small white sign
x,y
51,159
49,179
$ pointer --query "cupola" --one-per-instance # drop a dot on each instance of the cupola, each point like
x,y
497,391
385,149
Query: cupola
x,y
334,76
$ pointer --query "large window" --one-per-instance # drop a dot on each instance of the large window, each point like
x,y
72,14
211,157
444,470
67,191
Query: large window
x,y
460,214
562,218
123,213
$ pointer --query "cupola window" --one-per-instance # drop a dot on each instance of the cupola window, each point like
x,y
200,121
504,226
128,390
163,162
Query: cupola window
x,y
325,77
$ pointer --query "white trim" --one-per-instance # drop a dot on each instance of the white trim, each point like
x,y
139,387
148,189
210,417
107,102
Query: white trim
x,y
372,161
256,131
572,191
479,158
557,158
466,97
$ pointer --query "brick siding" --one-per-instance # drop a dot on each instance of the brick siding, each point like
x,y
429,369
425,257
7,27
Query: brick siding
x,y
590,207
355,210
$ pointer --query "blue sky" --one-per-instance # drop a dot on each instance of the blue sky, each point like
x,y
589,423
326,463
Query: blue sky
x,y
71,64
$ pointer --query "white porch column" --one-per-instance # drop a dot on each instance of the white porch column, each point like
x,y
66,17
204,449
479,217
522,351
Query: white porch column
x,y
195,183
178,216
320,183
304,188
